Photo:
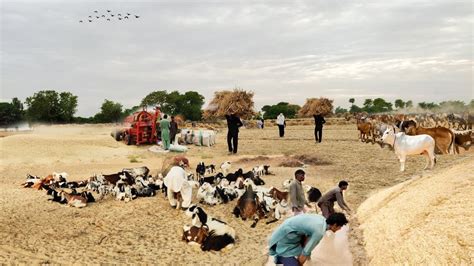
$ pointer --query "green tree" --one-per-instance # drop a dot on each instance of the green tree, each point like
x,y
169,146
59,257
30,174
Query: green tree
x,y
427,106
368,106
11,112
355,109
67,106
188,104
109,112
352,100
399,103
49,106
288,110
340,110
409,104
380,106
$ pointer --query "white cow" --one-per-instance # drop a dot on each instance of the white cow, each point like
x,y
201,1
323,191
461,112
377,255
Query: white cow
x,y
408,145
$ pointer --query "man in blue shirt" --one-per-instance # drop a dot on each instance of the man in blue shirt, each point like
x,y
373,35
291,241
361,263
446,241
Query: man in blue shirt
x,y
293,241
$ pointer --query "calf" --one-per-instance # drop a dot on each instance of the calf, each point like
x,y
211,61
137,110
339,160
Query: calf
x,y
365,131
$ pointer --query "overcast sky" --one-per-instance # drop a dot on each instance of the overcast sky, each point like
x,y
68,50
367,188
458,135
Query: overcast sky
x,y
282,50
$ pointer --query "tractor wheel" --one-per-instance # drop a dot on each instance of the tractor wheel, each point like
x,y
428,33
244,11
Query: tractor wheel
x,y
127,139
117,134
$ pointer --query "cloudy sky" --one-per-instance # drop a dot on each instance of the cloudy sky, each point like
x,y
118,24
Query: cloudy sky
x,y
282,50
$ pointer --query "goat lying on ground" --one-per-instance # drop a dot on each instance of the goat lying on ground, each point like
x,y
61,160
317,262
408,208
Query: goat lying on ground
x,y
220,234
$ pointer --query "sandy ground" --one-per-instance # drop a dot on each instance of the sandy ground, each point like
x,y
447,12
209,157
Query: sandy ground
x,y
147,230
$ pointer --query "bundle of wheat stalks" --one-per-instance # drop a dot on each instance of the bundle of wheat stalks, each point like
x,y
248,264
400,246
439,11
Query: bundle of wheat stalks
x,y
237,101
316,106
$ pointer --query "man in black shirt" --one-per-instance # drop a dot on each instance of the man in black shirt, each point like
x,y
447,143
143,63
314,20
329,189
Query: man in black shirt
x,y
233,124
318,129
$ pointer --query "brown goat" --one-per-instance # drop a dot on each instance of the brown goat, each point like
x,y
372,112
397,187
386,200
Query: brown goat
x,y
195,234
278,195
77,201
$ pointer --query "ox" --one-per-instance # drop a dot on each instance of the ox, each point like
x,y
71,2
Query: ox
x,y
408,145
444,137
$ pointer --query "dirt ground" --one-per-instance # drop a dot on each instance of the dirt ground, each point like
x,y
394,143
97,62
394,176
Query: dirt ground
x,y
147,230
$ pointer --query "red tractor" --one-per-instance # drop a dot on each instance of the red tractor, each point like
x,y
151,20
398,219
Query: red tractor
x,y
141,128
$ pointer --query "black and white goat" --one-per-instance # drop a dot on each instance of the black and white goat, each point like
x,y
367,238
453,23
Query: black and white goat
x,y
200,170
220,235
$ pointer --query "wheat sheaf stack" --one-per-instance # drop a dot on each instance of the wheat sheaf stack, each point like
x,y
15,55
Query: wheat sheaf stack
x,y
226,102
316,106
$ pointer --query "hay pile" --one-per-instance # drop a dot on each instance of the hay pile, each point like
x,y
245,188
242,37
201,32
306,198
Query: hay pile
x,y
408,224
316,106
237,101
169,162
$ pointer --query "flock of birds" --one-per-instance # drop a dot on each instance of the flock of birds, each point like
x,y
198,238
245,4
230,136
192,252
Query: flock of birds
x,y
108,16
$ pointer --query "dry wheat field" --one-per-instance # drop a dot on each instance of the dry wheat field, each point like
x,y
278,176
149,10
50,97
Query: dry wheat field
x,y
147,230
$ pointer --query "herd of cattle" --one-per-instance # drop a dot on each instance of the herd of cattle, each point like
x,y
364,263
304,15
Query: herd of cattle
x,y
254,201
450,131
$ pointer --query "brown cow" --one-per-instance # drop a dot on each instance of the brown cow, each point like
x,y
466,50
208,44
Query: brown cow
x,y
444,137
463,139
365,131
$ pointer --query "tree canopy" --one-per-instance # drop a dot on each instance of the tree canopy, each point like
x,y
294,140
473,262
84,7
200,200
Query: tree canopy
x,y
288,110
51,106
109,112
188,104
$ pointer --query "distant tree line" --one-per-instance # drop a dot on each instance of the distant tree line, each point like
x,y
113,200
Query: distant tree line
x,y
51,106
379,105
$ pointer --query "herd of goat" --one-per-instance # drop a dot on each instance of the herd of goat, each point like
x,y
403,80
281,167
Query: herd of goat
x,y
254,200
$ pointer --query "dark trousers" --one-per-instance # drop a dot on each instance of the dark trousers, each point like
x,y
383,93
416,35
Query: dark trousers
x,y
318,134
287,261
232,141
281,129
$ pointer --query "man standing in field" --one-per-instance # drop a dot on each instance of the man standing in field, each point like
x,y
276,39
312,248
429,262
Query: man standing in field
x,y
297,197
326,202
173,129
233,124
165,132
318,129
281,124
293,241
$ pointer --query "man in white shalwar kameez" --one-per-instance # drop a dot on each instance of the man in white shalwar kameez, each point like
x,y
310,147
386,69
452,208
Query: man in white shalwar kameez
x,y
176,181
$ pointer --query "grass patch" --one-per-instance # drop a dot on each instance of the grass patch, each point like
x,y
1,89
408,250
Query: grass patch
x,y
134,159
